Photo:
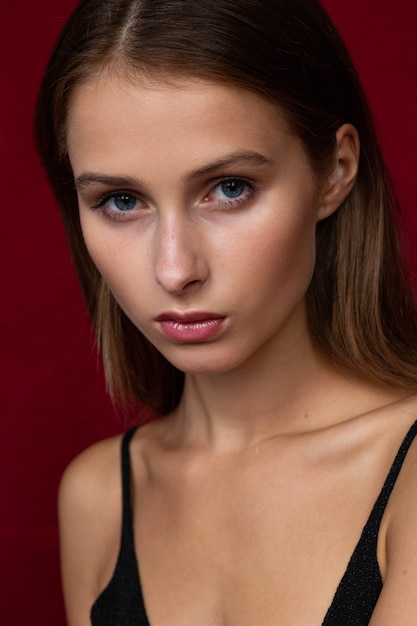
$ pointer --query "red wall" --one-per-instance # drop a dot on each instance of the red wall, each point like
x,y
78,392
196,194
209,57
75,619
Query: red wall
x,y
52,398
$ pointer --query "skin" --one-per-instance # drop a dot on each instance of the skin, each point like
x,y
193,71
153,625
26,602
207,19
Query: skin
x,y
254,485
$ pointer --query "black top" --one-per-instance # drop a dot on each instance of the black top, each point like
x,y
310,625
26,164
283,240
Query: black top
x,y
121,603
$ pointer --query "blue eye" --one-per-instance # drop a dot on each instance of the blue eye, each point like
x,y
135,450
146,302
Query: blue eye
x,y
119,205
233,187
231,192
123,201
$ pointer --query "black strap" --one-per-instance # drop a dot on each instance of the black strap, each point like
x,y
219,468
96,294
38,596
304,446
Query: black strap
x,y
128,542
359,590
381,503
121,602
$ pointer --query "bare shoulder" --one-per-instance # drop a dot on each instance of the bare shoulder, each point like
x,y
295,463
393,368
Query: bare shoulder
x,y
402,507
90,519
90,474
398,600
90,489
90,522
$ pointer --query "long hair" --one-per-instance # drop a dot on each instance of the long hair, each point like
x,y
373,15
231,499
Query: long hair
x,y
360,307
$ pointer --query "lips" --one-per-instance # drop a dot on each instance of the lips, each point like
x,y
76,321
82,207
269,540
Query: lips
x,y
193,327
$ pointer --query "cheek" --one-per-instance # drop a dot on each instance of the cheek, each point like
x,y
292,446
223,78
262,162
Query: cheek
x,y
125,275
99,247
280,258
121,265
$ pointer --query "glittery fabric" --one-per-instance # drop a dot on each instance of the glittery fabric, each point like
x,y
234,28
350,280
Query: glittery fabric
x,y
359,589
122,604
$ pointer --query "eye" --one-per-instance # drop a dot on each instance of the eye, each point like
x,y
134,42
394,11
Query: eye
x,y
231,191
117,205
232,188
121,201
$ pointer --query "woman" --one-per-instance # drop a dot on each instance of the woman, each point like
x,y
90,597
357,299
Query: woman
x,y
233,227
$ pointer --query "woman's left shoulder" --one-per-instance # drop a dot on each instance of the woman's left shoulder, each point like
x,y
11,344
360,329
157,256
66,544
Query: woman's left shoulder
x,y
403,500
401,429
398,600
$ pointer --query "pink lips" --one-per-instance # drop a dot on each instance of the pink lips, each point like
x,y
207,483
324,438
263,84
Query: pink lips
x,y
190,327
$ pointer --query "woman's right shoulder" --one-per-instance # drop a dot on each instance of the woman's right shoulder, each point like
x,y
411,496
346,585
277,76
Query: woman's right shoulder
x,y
93,478
93,475
90,512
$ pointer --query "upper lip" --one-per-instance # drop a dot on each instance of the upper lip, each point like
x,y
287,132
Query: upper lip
x,y
192,316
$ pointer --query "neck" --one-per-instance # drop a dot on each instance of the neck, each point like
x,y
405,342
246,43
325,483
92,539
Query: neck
x,y
279,395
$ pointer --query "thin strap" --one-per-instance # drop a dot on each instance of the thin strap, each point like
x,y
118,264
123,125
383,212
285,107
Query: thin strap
x,y
381,503
361,585
128,542
121,602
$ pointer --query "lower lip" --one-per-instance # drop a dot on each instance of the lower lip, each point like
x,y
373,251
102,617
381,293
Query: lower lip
x,y
192,332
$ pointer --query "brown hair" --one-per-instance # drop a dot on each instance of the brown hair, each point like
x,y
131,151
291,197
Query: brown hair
x,y
361,309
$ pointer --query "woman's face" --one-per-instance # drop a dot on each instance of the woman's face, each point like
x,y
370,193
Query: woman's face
x,y
199,208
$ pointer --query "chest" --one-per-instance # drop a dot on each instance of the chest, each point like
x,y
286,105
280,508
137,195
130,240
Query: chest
x,y
264,544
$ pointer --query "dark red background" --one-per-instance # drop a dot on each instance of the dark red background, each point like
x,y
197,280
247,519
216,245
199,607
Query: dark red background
x,y
52,394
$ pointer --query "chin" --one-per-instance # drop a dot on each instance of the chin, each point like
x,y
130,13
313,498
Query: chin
x,y
203,364
202,369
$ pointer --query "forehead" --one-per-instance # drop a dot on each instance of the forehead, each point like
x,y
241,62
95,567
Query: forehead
x,y
114,117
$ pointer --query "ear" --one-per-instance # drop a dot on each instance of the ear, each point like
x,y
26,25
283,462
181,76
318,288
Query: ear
x,y
342,178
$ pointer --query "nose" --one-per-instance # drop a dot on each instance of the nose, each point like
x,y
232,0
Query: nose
x,y
180,261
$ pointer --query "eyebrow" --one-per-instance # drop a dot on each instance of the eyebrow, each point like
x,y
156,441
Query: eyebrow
x,y
236,158
90,178
87,179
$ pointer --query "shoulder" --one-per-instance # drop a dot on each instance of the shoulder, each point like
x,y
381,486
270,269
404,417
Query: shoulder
x,y
398,601
92,481
91,477
93,459
90,521
401,515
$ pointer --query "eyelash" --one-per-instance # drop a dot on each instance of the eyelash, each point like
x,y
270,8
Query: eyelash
x,y
100,205
250,190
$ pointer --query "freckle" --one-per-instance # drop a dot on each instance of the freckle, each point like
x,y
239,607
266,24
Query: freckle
x,y
306,415
404,572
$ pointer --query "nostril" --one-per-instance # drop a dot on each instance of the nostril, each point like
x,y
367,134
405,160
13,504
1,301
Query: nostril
x,y
176,282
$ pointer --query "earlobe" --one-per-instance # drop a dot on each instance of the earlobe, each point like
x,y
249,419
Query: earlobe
x,y
343,175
